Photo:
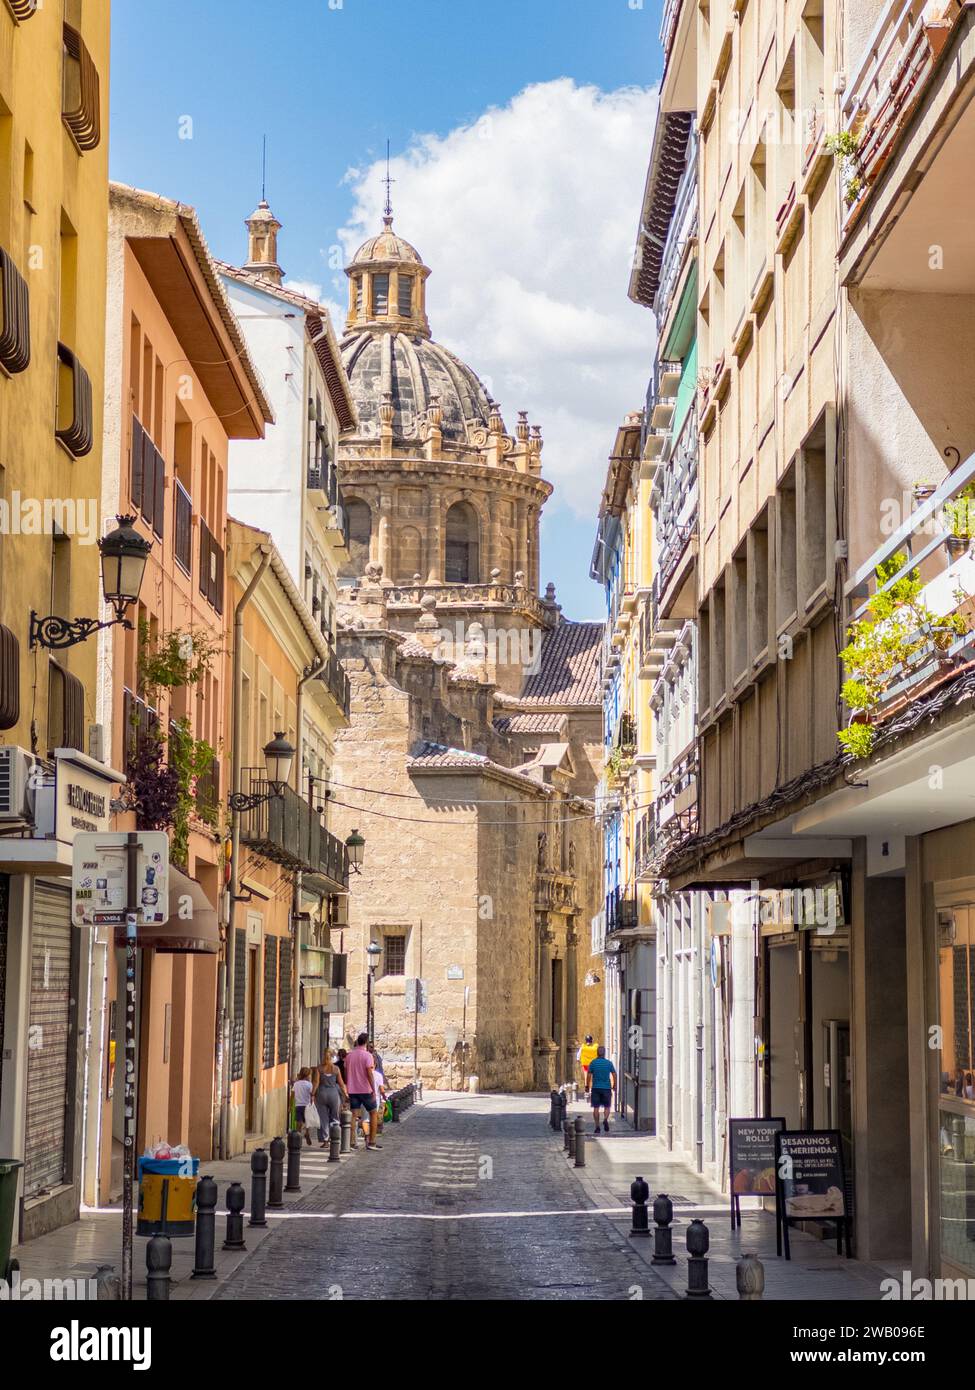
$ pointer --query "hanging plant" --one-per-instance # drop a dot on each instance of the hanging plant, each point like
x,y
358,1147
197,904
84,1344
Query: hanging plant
x,y
845,147
189,759
900,632
171,660
155,784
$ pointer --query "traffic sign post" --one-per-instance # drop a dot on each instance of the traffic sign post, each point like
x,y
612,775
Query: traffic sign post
x,y
416,1004
122,878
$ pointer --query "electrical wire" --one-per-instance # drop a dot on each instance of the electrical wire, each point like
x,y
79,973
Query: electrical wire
x,y
427,820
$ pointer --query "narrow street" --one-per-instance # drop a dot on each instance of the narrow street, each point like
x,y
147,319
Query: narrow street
x,y
468,1199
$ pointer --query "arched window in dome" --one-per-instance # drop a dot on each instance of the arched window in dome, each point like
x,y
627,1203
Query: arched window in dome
x,y
358,522
461,558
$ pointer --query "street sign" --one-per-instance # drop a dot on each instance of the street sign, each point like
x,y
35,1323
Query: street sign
x,y
98,880
455,972
416,996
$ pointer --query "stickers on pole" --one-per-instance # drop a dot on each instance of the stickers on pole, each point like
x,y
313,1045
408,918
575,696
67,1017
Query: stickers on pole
x,y
99,883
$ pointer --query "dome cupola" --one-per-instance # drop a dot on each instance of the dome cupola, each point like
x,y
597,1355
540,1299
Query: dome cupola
x,y
387,285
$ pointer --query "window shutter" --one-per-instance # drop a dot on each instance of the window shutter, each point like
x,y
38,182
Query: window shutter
x,y
148,478
138,437
9,678
270,1002
284,1000
159,499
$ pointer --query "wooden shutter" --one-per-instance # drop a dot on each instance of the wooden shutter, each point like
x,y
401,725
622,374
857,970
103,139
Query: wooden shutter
x,y
270,1000
240,1004
9,678
15,330
159,499
284,1000
138,444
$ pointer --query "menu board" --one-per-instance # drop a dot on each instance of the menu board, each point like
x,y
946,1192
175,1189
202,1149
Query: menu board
x,y
809,1165
751,1156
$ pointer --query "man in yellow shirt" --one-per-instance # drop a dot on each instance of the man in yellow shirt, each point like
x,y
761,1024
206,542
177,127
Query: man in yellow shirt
x,y
585,1055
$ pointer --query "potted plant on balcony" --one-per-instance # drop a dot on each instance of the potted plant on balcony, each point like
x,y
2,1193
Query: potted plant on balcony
x,y
845,147
900,634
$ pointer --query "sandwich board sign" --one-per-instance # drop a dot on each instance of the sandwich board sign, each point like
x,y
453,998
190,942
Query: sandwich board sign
x,y
811,1181
99,878
751,1162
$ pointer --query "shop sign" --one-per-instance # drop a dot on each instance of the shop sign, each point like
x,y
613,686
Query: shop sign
x,y
811,1181
82,800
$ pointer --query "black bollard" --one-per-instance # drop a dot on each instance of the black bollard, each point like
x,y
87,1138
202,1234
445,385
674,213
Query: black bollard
x,y
334,1142
346,1122
698,1241
275,1199
663,1214
555,1110
750,1277
258,1215
206,1229
395,1105
639,1193
235,1217
565,1136
572,1138
563,1106
294,1161
159,1260
580,1129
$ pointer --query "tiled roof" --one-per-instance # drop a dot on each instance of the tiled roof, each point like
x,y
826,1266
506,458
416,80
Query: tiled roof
x,y
436,757
569,667
530,724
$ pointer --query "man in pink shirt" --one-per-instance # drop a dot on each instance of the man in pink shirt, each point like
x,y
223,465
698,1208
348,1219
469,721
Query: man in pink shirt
x,y
360,1084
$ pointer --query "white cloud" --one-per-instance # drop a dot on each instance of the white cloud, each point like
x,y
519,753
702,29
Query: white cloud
x,y
527,218
309,288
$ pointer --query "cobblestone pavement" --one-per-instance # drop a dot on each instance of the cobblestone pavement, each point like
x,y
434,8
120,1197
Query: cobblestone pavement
x,y
468,1199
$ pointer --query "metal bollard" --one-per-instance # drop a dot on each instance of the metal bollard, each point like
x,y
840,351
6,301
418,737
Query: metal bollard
x,y
639,1193
580,1154
565,1136
750,1277
663,1215
346,1122
563,1106
235,1217
258,1215
159,1261
275,1195
206,1229
555,1110
294,1161
108,1285
698,1241
334,1142
572,1138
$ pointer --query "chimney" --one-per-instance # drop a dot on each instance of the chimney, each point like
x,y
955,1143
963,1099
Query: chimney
x,y
262,244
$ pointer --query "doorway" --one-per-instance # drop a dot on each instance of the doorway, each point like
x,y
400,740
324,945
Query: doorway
x,y
557,1023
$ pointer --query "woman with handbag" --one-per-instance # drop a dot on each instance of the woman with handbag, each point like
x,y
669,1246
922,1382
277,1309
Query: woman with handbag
x,y
328,1089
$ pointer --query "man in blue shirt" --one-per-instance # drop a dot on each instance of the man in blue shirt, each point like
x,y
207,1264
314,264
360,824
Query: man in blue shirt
x,y
601,1083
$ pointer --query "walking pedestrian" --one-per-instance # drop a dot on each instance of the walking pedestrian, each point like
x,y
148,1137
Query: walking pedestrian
x,y
329,1088
359,1074
379,1089
600,1085
302,1093
585,1055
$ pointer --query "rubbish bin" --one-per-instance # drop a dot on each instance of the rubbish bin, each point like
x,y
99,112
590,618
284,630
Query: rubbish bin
x,y
169,1181
8,1205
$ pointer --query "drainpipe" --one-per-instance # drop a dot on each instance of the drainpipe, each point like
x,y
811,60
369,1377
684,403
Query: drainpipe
x,y
315,669
226,972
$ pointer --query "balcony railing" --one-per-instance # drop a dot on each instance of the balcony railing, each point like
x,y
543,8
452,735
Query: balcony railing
x,y
288,831
139,722
936,541
622,910
898,58
410,595
335,678
668,26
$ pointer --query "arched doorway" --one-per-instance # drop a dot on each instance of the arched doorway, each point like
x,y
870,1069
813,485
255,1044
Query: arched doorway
x,y
461,558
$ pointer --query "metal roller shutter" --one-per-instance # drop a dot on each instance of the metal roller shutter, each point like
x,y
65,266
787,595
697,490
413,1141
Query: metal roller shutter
x,y
45,1164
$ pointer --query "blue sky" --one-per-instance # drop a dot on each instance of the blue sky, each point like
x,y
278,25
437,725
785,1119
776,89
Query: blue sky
x,y
328,85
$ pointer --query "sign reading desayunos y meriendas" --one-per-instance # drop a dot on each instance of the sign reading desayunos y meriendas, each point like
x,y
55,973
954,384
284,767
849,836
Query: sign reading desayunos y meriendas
x,y
99,885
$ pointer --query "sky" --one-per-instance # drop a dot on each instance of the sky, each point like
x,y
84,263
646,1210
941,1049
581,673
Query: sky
x,y
519,133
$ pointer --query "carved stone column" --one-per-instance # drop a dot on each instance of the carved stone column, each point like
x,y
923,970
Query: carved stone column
x,y
385,528
521,539
534,571
572,988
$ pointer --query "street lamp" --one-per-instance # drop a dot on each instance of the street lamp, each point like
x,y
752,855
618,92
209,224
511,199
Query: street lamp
x,y
278,759
373,951
355,845
123,560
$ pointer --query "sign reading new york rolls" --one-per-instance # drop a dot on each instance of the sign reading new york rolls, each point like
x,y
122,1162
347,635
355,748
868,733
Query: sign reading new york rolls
x,y
809,1167
751,1153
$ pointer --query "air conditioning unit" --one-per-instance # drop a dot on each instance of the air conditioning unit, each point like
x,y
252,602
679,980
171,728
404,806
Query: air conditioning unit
x,y
15,789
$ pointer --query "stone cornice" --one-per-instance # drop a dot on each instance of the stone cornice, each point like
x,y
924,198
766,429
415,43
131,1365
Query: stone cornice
x,y
360,470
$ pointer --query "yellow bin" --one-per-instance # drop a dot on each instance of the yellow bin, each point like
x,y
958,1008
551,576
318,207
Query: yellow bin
x,y
172,1179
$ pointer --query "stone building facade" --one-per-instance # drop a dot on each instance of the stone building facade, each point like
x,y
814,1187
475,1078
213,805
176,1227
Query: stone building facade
x,y
475,738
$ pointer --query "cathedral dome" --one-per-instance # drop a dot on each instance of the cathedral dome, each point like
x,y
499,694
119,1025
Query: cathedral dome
x,y
416,376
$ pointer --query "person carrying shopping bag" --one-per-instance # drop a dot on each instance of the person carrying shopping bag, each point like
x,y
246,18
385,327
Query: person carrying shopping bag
x,y
328,1089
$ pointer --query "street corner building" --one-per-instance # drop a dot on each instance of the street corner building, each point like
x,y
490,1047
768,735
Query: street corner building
x,y
474,745
53,232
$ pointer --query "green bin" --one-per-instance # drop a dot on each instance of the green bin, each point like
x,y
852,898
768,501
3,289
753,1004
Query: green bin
x,y
8,1205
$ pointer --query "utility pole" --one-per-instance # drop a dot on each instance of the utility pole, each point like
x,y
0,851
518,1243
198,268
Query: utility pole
x,y
128,1175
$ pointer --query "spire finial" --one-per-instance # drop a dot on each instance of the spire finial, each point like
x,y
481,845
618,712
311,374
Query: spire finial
x,y
388,181
263,168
